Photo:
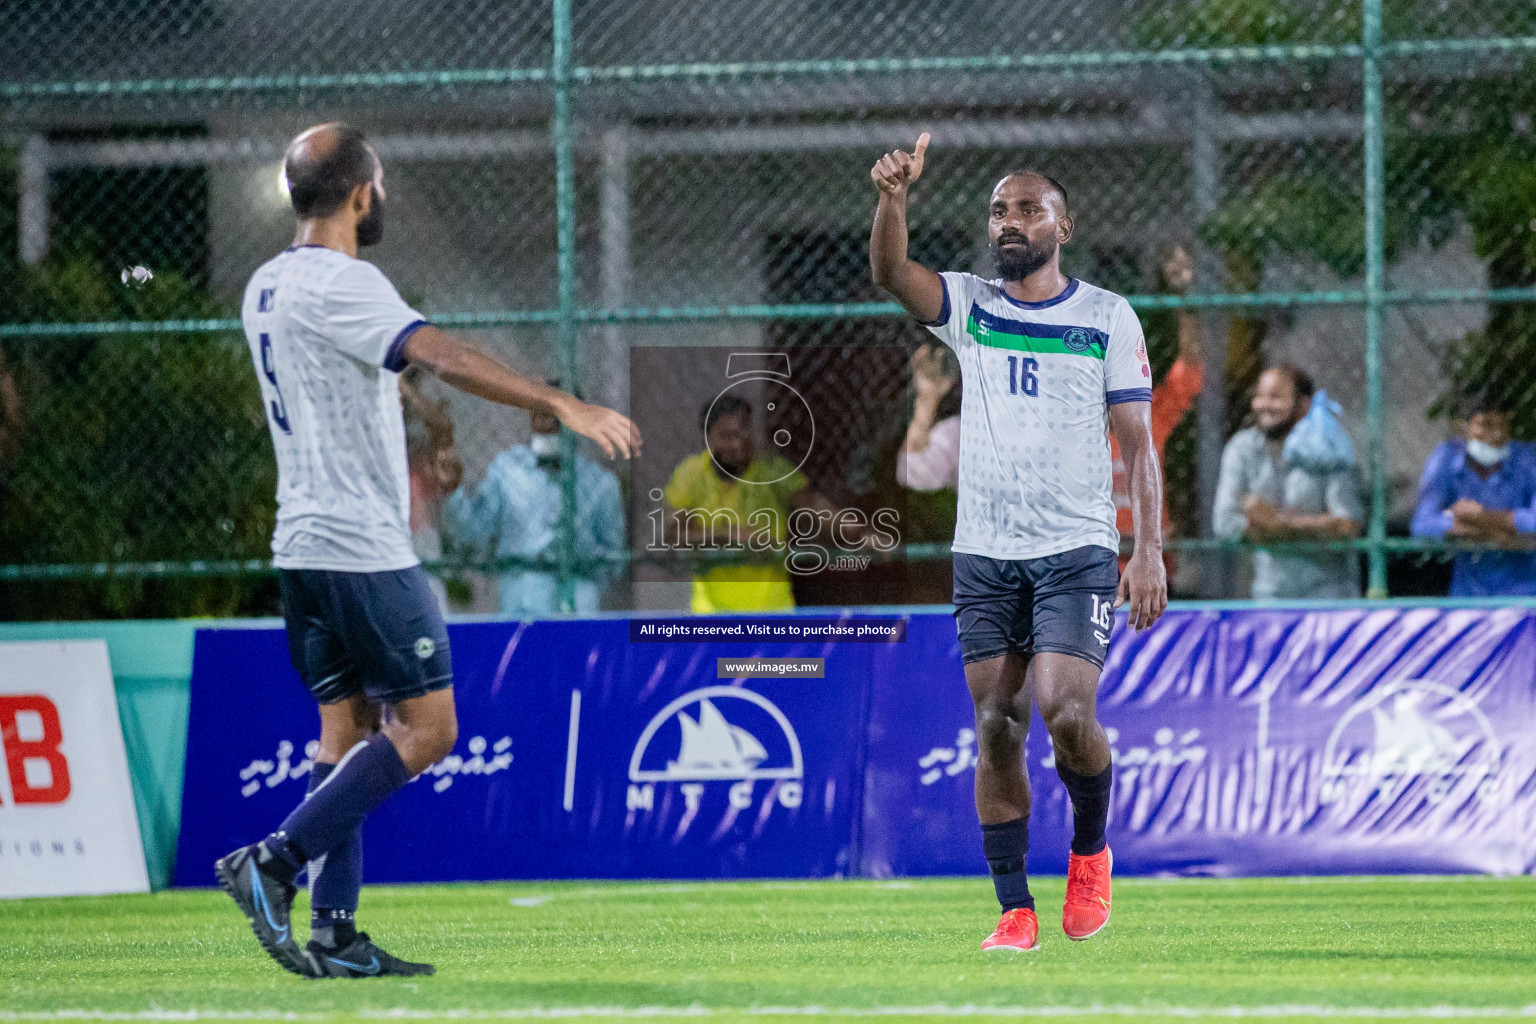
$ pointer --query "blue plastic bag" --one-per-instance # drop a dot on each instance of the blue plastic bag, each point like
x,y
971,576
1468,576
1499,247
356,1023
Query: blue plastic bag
x,y
1318,443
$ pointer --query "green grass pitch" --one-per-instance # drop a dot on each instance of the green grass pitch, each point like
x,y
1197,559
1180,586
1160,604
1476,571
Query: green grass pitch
x,y
1338,948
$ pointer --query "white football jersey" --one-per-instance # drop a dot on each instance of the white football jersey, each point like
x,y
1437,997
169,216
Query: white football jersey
x,y
326,333
1037,381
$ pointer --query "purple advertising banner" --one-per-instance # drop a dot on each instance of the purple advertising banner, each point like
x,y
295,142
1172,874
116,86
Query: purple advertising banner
x,y
580,754
1246,742
1249,742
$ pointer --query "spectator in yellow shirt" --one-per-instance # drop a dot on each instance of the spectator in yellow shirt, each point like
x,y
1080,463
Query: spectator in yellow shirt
x,y
728,496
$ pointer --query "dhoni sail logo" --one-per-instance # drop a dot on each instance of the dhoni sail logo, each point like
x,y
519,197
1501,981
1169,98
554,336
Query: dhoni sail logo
x,y
1416,737
713,747
717,734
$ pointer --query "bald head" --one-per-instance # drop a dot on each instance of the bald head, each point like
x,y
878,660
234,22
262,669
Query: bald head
x,y
323,167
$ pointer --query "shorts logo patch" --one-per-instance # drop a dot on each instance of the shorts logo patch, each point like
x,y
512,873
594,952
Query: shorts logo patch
x,y
1077,340
425,648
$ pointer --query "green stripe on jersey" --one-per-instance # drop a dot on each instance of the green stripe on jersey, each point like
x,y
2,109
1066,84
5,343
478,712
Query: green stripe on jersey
x,y
984,335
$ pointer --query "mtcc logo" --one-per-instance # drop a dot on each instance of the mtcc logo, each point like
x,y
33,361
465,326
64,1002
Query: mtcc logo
x,y
1411,733
717,734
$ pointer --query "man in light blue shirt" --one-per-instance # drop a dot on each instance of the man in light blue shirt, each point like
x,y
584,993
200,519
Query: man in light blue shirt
x,y
516,511
1483,488
1262,497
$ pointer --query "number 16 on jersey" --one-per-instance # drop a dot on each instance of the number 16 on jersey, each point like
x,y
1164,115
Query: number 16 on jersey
x,y
1021,376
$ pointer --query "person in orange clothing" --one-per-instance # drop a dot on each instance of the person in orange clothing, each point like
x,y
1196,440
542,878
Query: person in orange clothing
x,y
1171,400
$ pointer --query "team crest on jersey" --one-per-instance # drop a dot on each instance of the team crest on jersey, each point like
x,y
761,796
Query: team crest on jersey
x,y
1077,340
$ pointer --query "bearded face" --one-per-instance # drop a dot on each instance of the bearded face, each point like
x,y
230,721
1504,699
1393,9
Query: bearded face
x,y
1276,405
1027,223
1017,256
370,229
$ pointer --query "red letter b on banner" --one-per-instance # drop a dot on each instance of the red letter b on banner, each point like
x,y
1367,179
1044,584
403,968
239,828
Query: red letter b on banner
x,y
19,751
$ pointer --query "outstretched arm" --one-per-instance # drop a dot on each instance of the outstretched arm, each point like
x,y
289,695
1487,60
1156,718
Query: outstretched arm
x,y
919,290
470,370
1179,274
1144,584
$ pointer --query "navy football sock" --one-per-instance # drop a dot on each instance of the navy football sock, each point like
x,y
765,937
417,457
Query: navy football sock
x,y
335,880
369,774
334,928
1090,807
1005,845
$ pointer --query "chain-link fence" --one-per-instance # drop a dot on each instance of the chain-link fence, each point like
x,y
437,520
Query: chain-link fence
x,y
1342,184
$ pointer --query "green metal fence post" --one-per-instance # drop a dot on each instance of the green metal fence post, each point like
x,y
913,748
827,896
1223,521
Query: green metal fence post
x,y
565,264
1374,259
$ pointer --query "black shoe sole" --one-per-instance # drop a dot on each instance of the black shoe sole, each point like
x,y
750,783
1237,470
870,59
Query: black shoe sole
x,y
285,959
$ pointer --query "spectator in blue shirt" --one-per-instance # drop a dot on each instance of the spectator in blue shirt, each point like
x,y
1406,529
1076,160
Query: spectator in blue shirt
x,y
1483,488
516,511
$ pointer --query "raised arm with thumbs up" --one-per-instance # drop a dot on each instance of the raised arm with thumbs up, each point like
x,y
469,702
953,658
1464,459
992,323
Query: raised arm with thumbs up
x,y
918,289
897,169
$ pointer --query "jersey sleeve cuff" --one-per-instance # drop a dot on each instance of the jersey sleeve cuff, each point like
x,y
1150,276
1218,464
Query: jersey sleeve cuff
x,y
394,358
1128,395
943,309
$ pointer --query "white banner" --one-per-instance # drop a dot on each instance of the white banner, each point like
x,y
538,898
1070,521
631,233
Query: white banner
x,y
67,821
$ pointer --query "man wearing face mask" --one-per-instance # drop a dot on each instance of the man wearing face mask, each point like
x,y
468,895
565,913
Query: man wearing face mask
x,y
1263,498
516,512
1483,488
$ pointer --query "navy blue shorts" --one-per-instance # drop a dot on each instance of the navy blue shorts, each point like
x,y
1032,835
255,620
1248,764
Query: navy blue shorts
x,y
375,634
1061,603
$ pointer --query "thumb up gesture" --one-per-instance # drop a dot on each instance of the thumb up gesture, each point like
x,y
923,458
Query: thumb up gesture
x,y
896,170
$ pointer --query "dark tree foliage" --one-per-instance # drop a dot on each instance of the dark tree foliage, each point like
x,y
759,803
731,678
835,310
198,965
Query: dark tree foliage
x,y
136,447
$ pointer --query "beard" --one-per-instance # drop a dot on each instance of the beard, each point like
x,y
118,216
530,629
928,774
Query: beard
x,y
1018,264
370,230
1279,431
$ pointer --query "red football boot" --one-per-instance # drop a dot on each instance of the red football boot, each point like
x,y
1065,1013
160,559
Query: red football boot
x,y
1017,932
1087,905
